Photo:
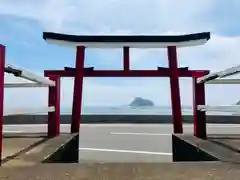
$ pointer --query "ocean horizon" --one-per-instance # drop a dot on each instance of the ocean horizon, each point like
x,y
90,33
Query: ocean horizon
x,y
127,110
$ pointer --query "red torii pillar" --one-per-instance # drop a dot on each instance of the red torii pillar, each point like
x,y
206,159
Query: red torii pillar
x,y
199,117
78,90
2,66
175,90
54,100
170,42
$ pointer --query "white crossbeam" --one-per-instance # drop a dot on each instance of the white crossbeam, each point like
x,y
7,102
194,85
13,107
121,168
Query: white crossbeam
x,y
18,111
24,85
31,76
224,81
221,74
225,108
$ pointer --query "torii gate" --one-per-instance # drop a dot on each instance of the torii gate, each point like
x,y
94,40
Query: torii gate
x,y
81,42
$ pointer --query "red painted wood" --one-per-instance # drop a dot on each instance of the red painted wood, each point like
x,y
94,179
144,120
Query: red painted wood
x,y
78,91
54,100
175,90
173,72
2,66
126,59
130,73
199,117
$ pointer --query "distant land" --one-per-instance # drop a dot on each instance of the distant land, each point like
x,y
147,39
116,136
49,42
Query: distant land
x,y
140,102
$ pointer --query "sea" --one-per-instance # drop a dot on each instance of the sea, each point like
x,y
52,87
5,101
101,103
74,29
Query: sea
x,y
127,110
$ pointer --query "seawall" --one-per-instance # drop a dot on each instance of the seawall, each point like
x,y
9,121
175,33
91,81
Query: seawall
x,y
66,119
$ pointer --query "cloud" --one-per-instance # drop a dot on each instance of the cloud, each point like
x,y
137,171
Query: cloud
x,y
134,17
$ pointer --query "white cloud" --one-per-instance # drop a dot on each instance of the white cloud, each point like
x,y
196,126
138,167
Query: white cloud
x,y
133,17
137,16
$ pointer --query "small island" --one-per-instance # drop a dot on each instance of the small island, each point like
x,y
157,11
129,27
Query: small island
x,y
140,102
238,103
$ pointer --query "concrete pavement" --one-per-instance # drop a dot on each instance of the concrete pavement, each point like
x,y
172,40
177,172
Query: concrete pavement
x,y
125,142
134,142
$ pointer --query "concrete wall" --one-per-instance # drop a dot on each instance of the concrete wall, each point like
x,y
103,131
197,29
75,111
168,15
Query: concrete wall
x,y
66,119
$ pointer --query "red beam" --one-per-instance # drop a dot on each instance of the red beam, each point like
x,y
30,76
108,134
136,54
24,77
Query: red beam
x,y
131,73
2,65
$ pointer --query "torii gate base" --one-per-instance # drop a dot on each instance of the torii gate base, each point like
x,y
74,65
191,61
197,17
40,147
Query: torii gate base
x,y
173,72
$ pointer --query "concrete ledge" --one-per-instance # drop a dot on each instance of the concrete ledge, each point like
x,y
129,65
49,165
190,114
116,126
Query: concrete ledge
x,y
214,148
38,153
16,145
66,119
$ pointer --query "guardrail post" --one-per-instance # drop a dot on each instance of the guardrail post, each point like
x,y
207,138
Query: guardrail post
x,y
2,66
54,100
199,117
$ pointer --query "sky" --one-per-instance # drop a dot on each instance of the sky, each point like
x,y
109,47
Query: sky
x,y
23,22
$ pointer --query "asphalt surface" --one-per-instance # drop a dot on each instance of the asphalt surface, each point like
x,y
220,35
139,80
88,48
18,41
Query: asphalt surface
x,y
125,142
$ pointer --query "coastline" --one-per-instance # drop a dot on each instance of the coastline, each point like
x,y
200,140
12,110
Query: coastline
x,y
105,119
